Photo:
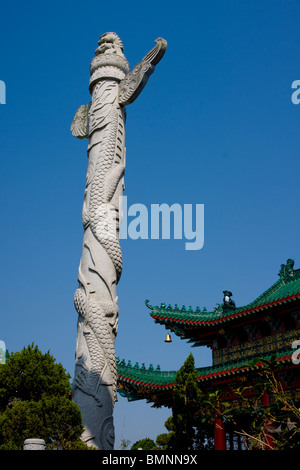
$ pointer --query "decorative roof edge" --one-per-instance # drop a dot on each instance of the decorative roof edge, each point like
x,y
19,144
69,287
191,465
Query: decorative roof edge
x,y
166,379
223,318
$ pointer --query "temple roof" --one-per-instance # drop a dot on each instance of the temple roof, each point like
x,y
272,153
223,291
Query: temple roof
x,y
180,320
137,382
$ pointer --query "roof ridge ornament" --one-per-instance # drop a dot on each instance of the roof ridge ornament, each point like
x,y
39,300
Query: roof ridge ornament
x,y
137,366
218,309
184,310
286,272
228,303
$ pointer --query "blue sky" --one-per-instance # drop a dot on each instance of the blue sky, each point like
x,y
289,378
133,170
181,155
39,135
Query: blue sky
x,y
215,125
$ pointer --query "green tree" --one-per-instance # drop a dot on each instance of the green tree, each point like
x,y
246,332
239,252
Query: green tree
x,y
191,431
29,374
35,402
163,440
145,444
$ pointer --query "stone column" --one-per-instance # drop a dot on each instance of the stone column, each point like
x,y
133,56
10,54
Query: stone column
x,y
112,87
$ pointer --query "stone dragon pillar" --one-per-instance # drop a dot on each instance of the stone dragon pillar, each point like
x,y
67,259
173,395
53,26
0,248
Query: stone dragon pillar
x,y
112,87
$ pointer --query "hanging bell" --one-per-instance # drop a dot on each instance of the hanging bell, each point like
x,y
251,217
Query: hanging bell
x,y
168,339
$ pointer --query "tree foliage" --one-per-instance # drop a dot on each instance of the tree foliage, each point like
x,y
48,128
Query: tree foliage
x,y
189,432
163,440
145,444
30,374
34,402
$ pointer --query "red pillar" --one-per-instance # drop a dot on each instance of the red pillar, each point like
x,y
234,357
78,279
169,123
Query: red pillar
x,y
220,435
268,436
